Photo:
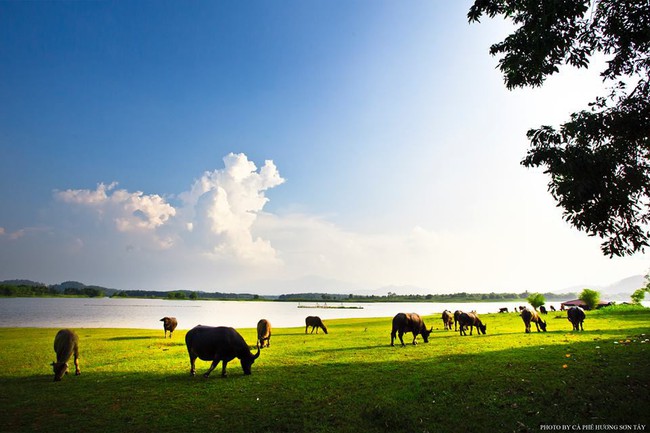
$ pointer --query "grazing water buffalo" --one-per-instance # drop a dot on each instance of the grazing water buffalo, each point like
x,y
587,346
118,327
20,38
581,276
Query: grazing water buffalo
x,y
218,344
503,310
447,319
457,314
471,320
552,308
169,324
528,316
66,343
404,322
263,333
542,309
576,316
315,323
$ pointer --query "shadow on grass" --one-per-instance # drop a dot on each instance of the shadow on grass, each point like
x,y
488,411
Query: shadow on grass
x,y
515,389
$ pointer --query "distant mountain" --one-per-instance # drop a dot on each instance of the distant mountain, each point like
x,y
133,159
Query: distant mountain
x,y
23,283
75,285
626,285
306,284
616,291
398,290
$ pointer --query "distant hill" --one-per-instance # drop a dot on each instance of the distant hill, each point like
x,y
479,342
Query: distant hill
x,y
617,291
62,287
626,285
23,283
76,285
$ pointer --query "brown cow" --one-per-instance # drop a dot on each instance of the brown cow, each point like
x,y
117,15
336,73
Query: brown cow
x,y
471,320
457,314
169,324
528,316
315,322
576,316
404,322
263,333
447,319
66,344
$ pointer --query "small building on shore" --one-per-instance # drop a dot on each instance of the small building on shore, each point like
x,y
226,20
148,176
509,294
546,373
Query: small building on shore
x,y
580,303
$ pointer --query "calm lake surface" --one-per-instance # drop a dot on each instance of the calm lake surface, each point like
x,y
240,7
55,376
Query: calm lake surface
x,y
146,313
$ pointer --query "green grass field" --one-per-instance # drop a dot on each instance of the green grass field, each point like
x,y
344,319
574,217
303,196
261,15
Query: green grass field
x,y
348,381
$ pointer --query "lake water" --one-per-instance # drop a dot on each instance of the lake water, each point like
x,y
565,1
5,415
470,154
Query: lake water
x,y
146,313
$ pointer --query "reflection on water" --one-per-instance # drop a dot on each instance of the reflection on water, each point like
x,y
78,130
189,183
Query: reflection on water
x,y
146,313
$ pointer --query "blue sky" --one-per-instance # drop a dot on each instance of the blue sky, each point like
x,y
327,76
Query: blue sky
x,y
135,138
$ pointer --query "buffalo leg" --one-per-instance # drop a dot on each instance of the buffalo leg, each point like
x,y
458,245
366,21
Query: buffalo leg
x,y
212,367
223,368
77,372
192,360
306,326
392,338
401,334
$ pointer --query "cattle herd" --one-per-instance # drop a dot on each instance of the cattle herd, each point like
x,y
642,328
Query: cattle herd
x,y
223,344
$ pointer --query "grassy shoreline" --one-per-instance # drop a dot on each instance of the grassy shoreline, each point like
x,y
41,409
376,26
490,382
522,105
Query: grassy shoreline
x,y
349,380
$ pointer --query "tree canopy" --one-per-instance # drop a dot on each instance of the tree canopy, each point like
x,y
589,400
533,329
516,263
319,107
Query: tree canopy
x,y
591,298
536,300
598,160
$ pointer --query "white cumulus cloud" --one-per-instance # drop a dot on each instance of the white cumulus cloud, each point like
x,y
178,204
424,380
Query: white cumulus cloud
x,y
214,217
222,206
127,210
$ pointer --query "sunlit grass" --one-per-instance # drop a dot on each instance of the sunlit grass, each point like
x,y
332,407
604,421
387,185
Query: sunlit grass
x,y
350,380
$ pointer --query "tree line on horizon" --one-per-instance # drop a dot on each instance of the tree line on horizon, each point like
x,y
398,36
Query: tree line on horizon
x,y
26,288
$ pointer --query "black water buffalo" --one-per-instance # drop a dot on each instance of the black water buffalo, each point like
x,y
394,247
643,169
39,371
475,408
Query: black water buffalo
x,y
528,316
218,344
263,333
66,344
315,323
169,324
503,310
576,316
457,314
542,309
471,320
552,308
447,319
404,322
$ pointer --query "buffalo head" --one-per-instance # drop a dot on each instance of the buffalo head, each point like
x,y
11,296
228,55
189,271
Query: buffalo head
x,y
247,361
542,324
60,368
425,334
482,328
